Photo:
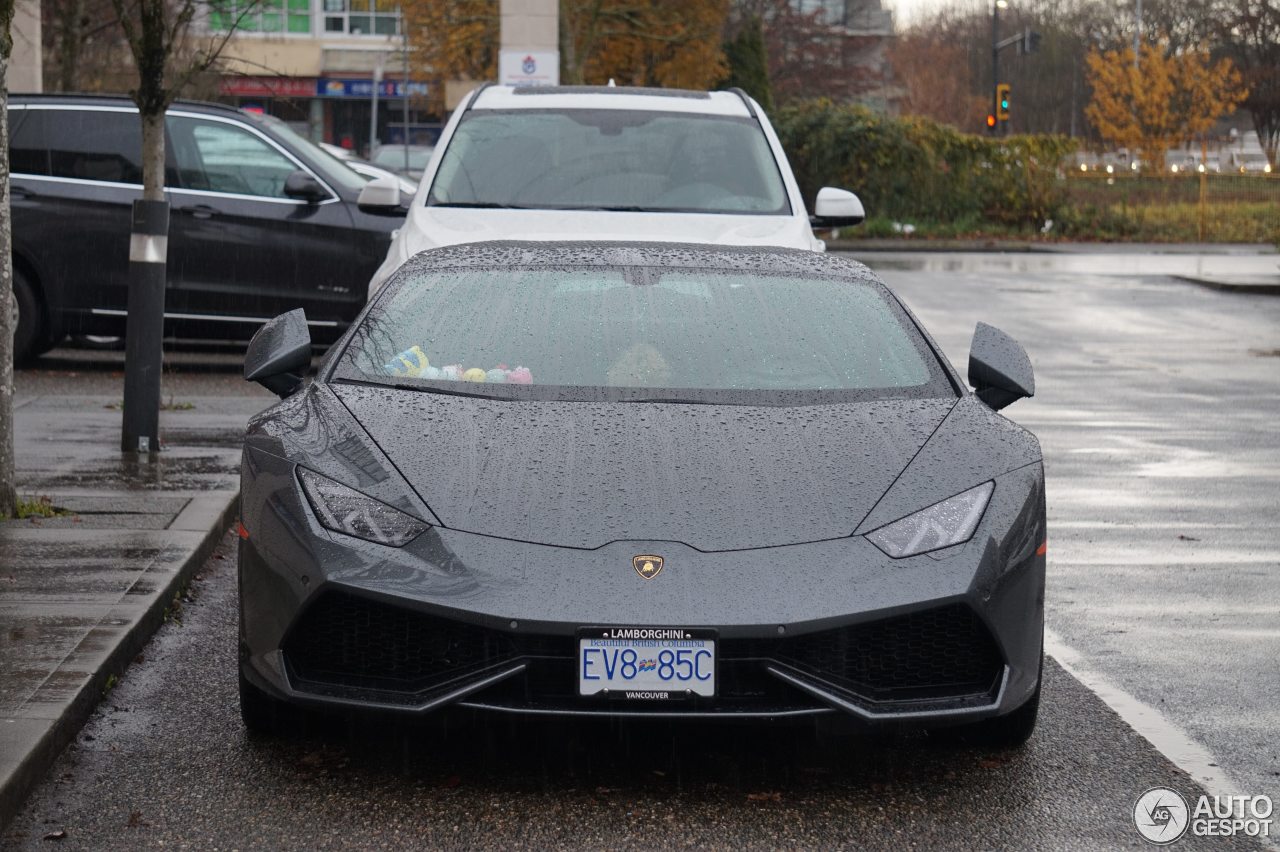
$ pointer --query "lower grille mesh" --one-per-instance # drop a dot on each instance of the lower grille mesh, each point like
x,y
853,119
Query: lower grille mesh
x,y
938,652
348,642
351,641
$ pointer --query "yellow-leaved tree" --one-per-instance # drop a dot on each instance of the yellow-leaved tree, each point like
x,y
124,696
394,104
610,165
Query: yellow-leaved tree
x,y
1163,102
643,42
634,42
453,40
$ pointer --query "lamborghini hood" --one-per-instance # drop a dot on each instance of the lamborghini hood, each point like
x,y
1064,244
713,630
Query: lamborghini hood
x,y
582,475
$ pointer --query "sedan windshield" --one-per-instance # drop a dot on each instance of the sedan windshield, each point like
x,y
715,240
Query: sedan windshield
x,y
627,160
642,334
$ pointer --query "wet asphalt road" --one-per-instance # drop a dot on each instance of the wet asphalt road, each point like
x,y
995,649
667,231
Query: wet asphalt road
x,y
1158,409
165,762
1157,403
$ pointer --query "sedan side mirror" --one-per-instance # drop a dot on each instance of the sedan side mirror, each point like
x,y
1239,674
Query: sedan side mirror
x,y
380,196
999,368
836,208
280,353
304,187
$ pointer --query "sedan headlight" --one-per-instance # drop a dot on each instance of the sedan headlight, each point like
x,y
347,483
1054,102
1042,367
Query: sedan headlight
x,y
347,511
941,525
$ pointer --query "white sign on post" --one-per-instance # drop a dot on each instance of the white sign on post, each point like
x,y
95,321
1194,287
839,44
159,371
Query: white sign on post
x,y
529,68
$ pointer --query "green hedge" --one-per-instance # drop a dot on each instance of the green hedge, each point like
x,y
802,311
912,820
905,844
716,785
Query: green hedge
x,y
913,169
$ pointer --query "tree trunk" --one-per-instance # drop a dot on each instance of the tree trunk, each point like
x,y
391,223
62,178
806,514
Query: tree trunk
x,y
153,156
69,43
8,481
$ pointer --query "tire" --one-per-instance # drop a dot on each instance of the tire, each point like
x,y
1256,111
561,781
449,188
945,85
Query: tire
x,y
1012,730
264,716
30,332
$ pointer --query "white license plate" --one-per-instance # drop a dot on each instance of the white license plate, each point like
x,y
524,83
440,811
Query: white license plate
x,y
646,663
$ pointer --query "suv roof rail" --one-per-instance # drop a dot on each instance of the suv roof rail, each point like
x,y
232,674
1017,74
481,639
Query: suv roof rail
x,y
476,96
746,101
71,97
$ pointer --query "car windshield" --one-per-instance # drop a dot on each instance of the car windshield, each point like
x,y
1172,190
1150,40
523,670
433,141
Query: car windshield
x,y
641,334
629,160
392,157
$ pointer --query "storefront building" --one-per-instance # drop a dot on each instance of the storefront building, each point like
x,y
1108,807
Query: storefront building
x,y
314,63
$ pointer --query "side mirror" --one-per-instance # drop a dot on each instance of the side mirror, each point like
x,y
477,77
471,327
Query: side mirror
x,y
836,208
999,368
280,353
304,187
380,196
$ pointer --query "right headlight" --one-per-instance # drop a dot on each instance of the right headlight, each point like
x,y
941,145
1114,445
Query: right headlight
x,y
345,510
952,521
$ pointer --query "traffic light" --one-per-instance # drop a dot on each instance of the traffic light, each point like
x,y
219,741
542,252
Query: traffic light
x,y
991,121
1030,41
1002,102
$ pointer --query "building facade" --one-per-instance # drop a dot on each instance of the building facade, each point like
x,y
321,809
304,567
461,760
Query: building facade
x,y
324,66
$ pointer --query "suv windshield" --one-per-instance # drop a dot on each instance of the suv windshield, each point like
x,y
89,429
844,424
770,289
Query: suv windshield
x,y
630,160
642,333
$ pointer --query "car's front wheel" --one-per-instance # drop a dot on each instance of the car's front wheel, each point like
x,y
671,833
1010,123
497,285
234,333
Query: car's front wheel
x,y
1011,730
28,323
263,715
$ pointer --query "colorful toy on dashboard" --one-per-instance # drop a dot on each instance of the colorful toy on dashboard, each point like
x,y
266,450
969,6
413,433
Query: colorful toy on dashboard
x,y
411,362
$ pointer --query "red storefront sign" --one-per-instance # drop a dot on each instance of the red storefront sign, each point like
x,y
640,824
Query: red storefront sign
x,y
269,87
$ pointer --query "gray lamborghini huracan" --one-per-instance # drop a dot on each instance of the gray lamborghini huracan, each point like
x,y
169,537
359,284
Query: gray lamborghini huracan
x,y
641,480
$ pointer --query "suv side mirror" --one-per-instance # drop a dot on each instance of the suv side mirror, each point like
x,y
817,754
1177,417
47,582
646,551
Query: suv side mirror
x,y
999,368
836,208
380,196
304,187
280,353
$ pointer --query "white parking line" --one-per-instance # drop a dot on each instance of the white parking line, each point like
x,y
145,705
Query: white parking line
x,y
1150,723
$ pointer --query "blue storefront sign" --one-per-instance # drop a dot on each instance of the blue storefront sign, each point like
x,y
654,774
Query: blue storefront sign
x,y
336,87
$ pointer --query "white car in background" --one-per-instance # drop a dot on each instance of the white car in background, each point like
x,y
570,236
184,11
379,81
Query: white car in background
x,y
608,163
369,171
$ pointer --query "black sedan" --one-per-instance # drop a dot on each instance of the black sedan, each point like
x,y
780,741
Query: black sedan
x,y
641,480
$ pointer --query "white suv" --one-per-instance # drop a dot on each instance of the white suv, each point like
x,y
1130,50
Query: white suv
x,y
608,163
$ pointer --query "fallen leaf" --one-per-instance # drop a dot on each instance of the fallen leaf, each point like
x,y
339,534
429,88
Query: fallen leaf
x,y
135,819
60,834
769,796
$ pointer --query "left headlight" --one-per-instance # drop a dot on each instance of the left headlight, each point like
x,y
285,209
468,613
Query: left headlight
x,y
952,521
347,511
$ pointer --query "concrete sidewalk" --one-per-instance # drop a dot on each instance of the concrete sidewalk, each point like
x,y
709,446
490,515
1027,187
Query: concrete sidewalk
x,y
82,592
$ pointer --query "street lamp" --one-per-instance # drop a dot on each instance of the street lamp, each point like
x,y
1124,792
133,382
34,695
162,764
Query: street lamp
x,y
995,60
1137,30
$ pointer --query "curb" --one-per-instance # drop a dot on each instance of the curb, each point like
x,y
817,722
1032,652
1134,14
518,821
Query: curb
x,y
1262,288
211,514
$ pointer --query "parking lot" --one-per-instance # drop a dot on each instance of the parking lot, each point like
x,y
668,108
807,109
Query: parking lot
x,y
1156,407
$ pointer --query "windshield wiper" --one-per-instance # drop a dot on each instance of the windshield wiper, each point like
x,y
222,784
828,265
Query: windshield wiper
x,y
673,400
481,205
423,388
